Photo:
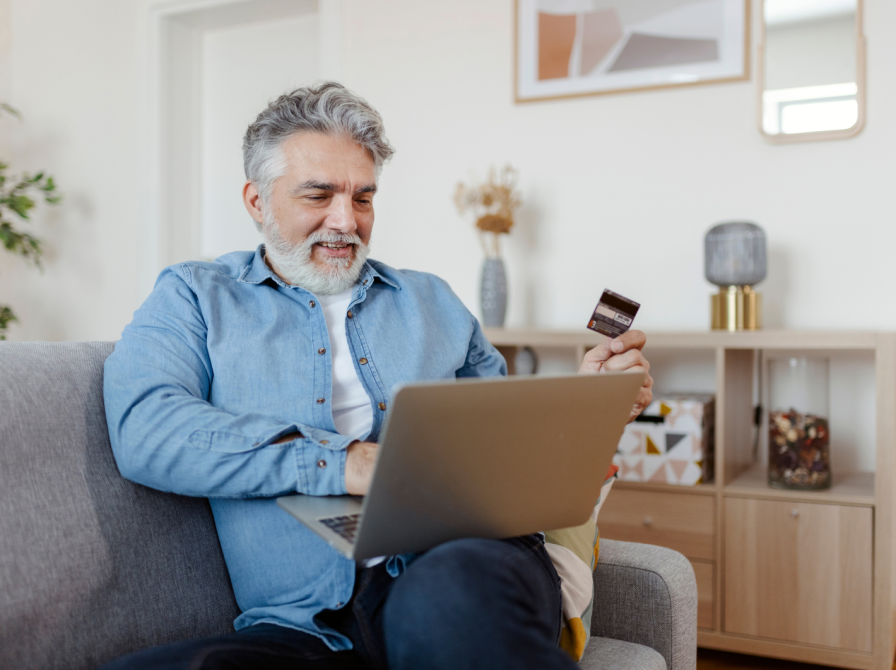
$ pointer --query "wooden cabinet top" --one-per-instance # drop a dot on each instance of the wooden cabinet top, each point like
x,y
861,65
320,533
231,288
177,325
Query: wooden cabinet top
x,y
705,339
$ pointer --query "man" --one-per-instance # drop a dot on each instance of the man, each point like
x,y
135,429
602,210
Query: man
x,y
269,373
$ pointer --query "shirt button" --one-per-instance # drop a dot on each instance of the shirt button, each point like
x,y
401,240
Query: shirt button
x,y
364,282
313,304
325,441
363,361
350,315
321,401
382,406
321,463
321,351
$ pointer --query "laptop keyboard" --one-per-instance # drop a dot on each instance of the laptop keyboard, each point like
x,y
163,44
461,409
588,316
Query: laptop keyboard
x,y
345,526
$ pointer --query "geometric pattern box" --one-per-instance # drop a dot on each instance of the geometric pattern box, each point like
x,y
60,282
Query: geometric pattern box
x,y
671,442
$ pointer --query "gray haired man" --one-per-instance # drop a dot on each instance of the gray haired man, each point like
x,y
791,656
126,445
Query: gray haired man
x,y
268,372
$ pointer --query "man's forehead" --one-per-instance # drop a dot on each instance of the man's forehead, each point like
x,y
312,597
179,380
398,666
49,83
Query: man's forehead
x,y
310,143
320,158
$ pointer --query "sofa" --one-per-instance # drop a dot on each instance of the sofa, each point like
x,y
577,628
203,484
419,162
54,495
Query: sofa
x,y
93,566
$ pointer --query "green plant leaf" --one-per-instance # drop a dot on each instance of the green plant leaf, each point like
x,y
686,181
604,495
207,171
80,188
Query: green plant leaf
x,y
9,109
6,317
20,204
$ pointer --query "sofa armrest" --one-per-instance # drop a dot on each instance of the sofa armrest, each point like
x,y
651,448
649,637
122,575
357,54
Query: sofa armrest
x,y
647,595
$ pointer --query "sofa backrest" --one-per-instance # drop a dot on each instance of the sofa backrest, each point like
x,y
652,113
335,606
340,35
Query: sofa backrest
x,y
91,566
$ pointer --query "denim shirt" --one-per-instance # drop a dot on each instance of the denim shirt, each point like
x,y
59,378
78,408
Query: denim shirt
x,y
223,359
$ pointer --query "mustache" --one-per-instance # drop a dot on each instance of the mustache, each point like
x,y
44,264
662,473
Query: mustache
x,y
333,238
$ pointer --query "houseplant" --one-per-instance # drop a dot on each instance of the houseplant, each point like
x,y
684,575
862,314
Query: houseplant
x,y
19,194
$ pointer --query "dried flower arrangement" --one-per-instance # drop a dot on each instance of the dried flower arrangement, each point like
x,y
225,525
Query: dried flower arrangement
x,y
493,204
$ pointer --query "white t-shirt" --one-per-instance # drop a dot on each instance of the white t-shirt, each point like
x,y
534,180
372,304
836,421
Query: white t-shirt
x,y
351,408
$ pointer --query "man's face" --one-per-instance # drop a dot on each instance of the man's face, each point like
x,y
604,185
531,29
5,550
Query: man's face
x,y
320,216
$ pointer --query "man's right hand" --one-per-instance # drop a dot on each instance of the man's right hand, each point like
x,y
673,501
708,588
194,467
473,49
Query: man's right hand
x,y
360,457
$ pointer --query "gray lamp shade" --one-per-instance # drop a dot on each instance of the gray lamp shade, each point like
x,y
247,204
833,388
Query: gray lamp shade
x,y
735,254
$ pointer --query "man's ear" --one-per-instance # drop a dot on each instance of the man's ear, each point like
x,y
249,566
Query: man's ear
x,y
252,201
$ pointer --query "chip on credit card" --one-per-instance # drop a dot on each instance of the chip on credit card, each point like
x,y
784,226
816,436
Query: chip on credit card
x,y
613,315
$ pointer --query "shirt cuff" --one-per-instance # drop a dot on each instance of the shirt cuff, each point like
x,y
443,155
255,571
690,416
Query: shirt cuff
x,y
320,462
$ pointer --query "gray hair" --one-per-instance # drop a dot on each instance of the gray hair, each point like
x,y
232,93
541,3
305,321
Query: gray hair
x,y
325,107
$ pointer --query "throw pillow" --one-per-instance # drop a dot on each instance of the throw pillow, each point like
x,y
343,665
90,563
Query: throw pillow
x,y
574,553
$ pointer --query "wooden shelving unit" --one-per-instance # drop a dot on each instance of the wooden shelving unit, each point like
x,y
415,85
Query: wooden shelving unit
x,y
805,576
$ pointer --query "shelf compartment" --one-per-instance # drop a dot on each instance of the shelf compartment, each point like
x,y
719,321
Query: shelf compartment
x,y
856,488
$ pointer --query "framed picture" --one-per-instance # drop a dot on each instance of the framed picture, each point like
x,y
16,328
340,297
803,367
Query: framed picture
x,y
568,48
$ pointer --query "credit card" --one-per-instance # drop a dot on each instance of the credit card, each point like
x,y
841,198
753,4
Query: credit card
x,y
613,315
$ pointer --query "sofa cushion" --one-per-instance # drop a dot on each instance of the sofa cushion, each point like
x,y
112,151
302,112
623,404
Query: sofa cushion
x,y
91,565
603,653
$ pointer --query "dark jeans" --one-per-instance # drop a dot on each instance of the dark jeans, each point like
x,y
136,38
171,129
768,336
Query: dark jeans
x,y
465,604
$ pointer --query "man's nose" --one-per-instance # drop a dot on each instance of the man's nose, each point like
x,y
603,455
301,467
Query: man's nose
x,y
341,216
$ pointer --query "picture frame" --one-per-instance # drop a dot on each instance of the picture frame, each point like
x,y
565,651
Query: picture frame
x,y
573,48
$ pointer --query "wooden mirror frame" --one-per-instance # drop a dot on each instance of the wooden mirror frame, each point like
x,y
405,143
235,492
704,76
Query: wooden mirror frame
x,y
861,51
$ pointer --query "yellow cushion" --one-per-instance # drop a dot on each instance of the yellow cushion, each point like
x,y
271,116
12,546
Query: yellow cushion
x,y
574,553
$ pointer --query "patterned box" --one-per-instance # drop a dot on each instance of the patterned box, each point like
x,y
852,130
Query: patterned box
x,y
672,442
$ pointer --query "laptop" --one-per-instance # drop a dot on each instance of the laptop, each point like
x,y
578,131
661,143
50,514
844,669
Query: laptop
x,y
492,458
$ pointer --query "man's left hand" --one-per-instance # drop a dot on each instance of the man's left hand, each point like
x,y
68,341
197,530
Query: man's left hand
x,y
622,353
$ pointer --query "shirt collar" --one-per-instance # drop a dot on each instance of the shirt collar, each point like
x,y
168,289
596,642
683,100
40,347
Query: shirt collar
x,y
257,271
369,274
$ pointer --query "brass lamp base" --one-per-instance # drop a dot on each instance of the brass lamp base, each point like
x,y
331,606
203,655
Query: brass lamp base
x,y
736,308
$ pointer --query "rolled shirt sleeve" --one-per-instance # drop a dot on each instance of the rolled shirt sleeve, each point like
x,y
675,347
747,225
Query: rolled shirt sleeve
x,y
166,435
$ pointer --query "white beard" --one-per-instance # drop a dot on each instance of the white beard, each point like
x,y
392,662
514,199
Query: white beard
x,y
294,264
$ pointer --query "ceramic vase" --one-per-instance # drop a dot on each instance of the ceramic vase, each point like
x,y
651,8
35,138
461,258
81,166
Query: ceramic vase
x,y
493,293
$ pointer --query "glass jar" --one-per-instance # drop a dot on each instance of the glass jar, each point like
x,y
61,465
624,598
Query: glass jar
x,y
799,454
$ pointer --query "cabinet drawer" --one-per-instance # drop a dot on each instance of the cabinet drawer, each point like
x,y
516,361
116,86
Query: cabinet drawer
x,y
680,521
706,587
799,572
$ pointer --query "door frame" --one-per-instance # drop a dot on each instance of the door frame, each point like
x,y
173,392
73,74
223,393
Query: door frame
x,y
169,43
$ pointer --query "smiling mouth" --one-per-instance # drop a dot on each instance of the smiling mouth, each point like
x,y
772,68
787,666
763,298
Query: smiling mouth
x,y
334,245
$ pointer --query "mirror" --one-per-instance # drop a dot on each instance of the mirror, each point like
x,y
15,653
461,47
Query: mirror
x,y
812,70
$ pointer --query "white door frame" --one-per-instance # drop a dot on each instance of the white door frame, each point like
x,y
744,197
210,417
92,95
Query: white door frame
x,y
169,112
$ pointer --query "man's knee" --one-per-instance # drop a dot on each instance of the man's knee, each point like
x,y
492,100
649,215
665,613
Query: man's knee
x,y
473,599
471,568
463,581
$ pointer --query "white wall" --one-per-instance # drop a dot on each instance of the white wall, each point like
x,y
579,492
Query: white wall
x,y
243,68
619,189
72,73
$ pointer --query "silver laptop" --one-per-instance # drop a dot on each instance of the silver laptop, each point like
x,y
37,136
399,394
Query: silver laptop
x,y
493,458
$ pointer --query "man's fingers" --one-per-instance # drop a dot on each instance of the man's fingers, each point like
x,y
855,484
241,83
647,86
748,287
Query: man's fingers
x,y
644,397
599,354
633,339
631,359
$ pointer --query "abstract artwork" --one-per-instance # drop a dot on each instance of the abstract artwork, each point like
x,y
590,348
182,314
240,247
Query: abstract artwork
x,y
587,47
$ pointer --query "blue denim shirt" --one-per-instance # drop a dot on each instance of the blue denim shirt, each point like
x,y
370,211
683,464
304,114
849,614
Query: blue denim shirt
x,y
224,358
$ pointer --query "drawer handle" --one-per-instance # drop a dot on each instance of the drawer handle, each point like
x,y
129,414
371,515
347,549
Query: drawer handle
x,y
648,521
795,513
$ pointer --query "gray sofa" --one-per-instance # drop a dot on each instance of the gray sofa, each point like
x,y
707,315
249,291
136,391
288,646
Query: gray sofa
x,y
93,566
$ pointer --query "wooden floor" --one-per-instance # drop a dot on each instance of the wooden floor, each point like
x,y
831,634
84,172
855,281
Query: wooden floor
x,y
709,659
